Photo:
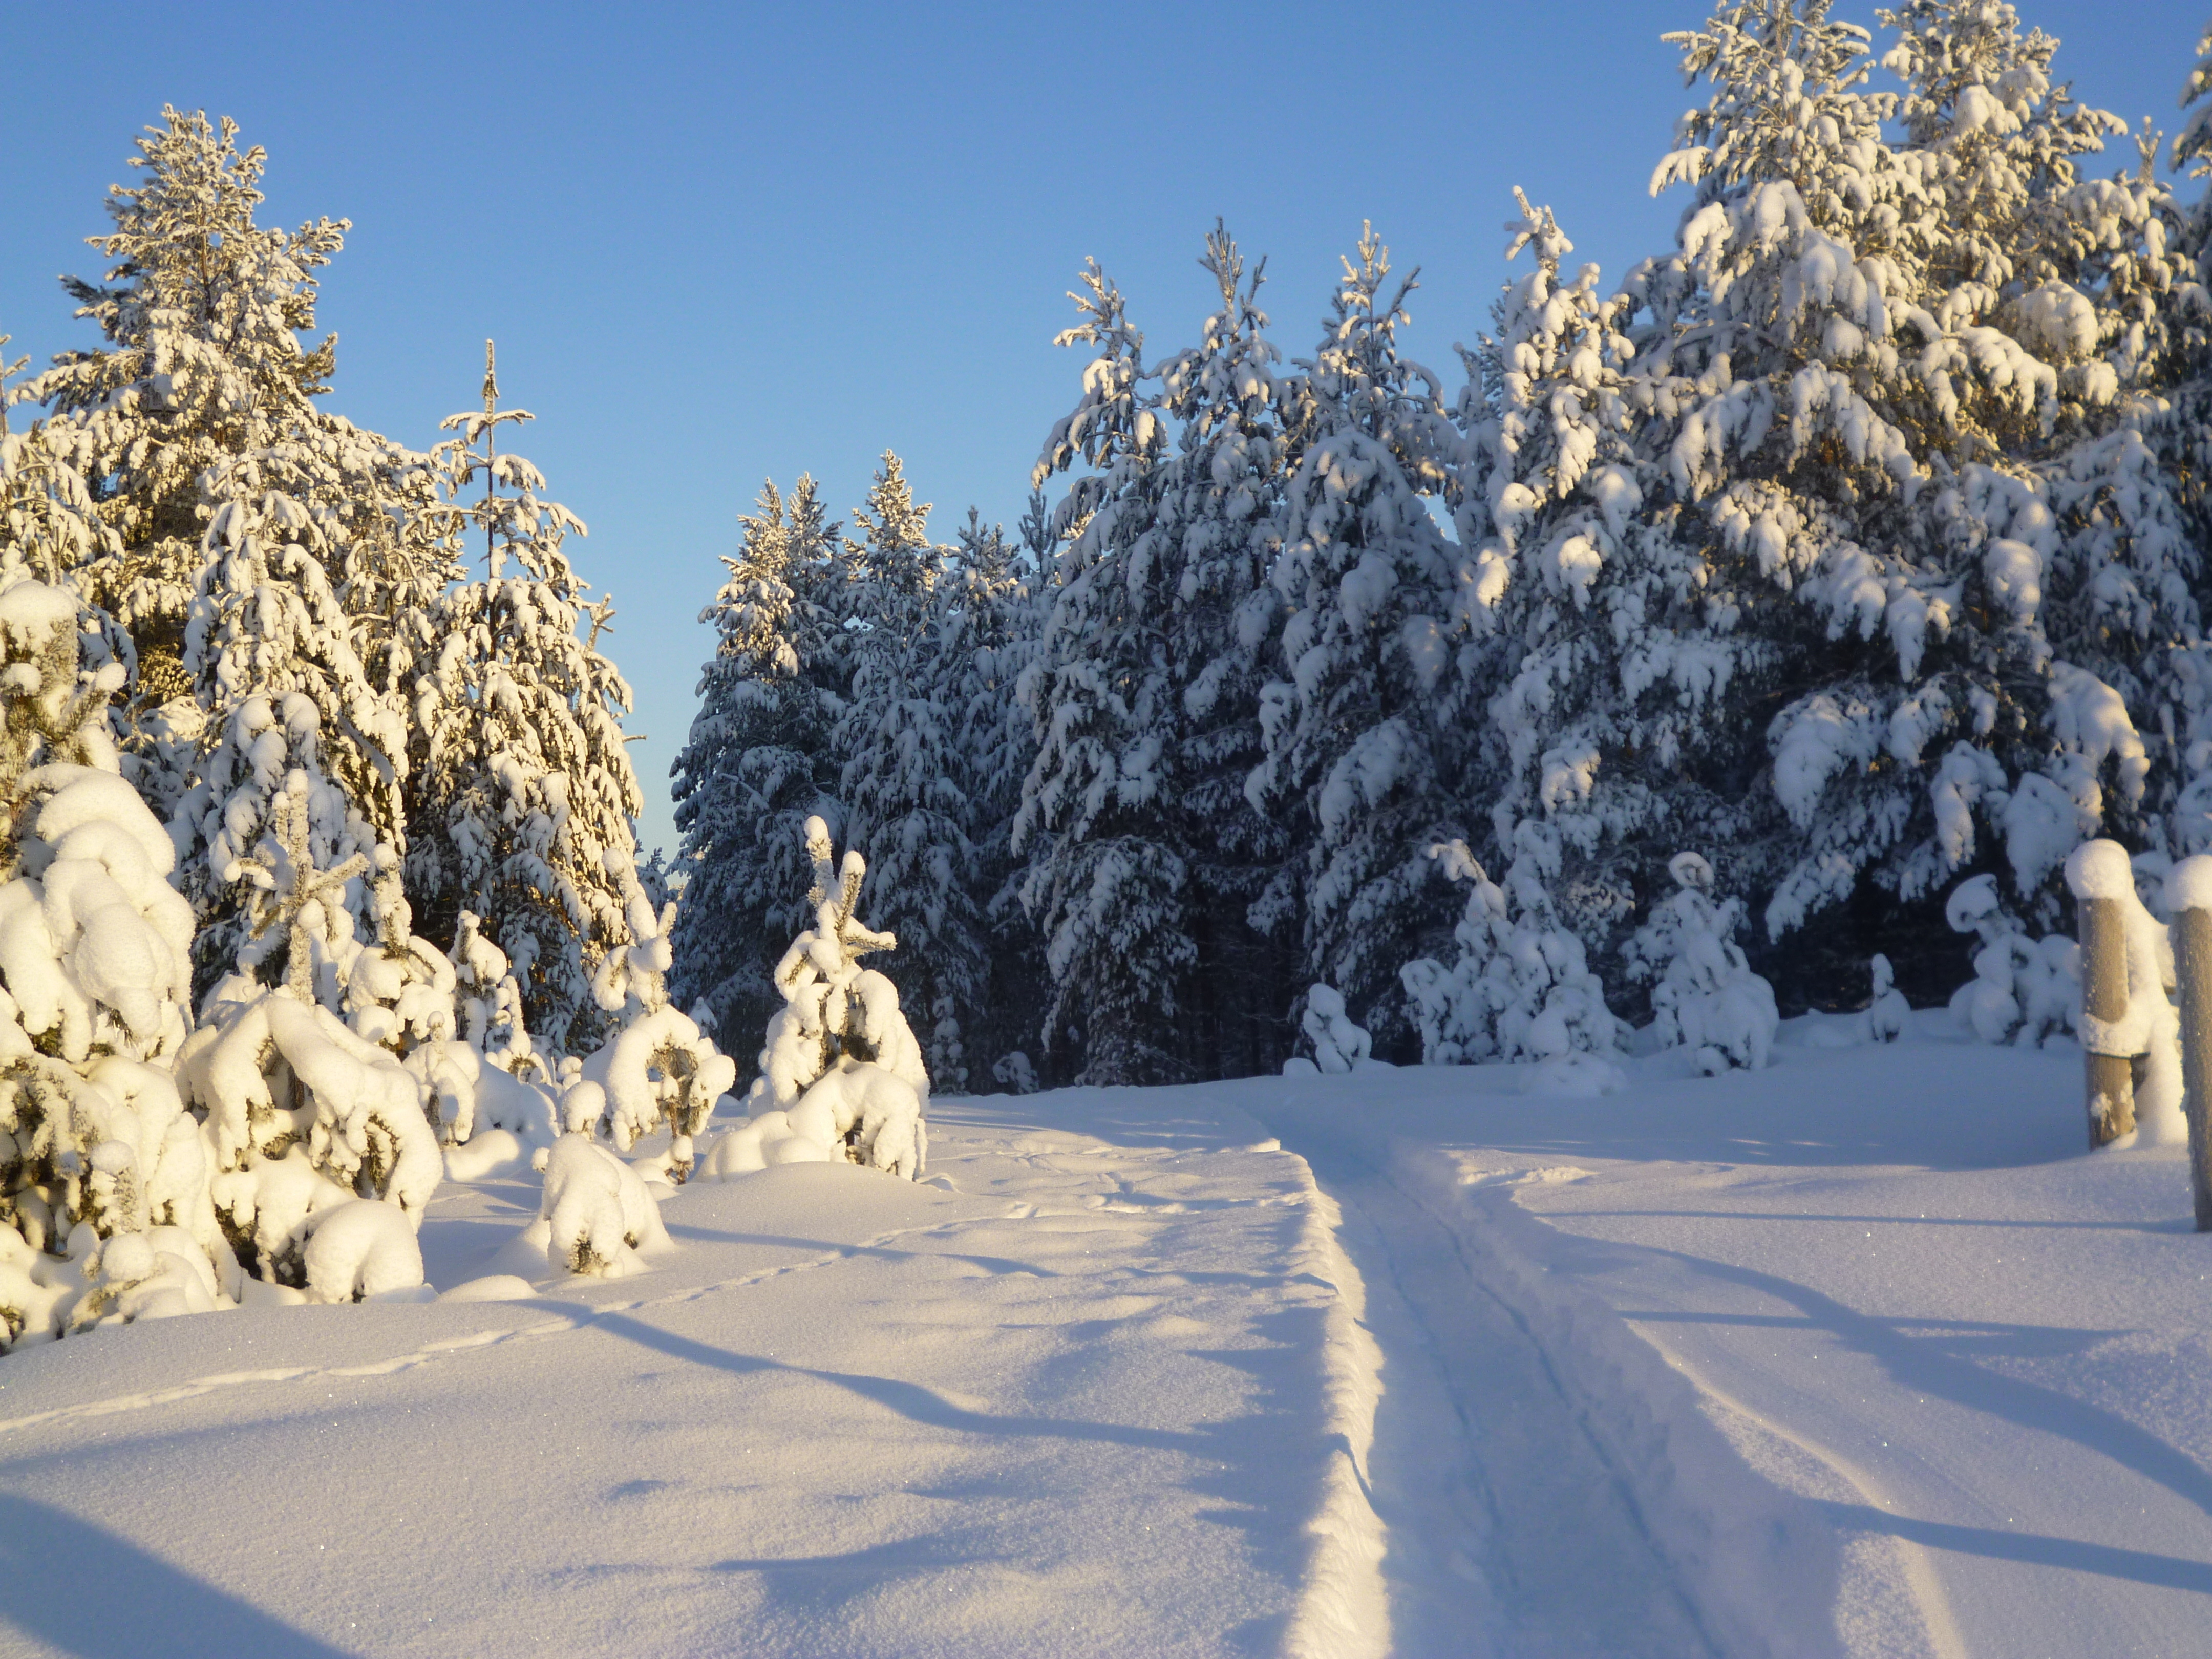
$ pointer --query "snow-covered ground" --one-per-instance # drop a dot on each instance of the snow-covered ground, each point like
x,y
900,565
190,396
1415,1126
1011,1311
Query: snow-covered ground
x,y
1860,1354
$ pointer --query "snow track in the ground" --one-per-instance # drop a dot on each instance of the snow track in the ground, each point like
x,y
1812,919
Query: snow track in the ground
x,y
1550,1487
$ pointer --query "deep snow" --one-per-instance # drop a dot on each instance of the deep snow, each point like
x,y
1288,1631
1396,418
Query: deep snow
x,y
1861,1353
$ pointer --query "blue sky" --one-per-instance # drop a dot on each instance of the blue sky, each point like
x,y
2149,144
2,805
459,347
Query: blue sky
x,y
719,244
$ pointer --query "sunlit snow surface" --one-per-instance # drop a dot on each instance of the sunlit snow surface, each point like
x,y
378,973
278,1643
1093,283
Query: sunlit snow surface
x,y
1857,1354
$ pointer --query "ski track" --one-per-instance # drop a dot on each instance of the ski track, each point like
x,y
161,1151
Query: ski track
x,y
1498,1490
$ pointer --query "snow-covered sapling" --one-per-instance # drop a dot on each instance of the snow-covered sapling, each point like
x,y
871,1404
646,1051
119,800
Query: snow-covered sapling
x,y
95,1147
842,1075
658,1068
598,1214
1338,1044
2023,989
1522,988
1888,1014
1707,1000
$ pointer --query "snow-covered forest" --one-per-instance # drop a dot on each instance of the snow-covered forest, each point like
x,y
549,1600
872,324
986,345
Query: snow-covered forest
x,y
1775,645
1756,634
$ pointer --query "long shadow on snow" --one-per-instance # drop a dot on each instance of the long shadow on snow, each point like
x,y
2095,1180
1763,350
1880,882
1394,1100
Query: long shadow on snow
x,y
911,1400
2034,1549
141,1604
997,1264
2175,1223
1923,1364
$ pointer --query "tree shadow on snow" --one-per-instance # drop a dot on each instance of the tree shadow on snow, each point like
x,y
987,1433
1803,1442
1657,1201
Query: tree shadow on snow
x,y
911,1400
1926,1364
141,1605
997,1264
2032,1549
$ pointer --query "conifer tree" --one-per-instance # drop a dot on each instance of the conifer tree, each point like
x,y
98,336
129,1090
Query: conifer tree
x,y
525,813
1108,892
1363,740
202,310
904,780
760,759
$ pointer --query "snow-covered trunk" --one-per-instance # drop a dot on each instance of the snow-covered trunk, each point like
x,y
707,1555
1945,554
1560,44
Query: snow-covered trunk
x,y
2130,1030
2189,901
2109,1077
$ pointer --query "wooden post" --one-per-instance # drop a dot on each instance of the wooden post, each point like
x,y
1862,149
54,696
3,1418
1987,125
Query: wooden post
x,y
2189,901
2112,1090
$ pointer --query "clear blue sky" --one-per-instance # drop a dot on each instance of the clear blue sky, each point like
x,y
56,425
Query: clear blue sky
x,y
718,244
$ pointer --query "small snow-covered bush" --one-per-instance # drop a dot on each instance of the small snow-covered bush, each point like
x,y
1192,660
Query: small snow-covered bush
x,y
1015,1072
304,1115
1707,1000
598,1215
2023,989
1522,988
841,1070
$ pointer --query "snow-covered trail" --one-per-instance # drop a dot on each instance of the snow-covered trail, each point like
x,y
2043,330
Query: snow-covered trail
x,y
1527,1443
1107,1396
1921,1319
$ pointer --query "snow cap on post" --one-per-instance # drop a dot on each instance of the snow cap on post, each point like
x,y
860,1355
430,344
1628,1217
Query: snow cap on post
x,y
2100,870
2189,884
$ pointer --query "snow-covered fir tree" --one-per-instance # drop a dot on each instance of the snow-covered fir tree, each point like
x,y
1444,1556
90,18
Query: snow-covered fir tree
x,y
1706,999
104,1212
904,781
203,312
986,634
842,1076
761,756
657,1069
1365,737
524,810
1520,988
1107,884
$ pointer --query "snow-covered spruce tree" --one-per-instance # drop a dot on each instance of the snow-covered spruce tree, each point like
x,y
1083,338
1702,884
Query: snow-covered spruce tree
x,y
523,811
987,621
842,1075
760,758
1365,739
2183,440
1105,889
658,1068
1569,598
271,650
1521,988
203,311
104,1208
904,780
2044,551
2024,988
1147,861
1706,999
1220,530
313,1126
